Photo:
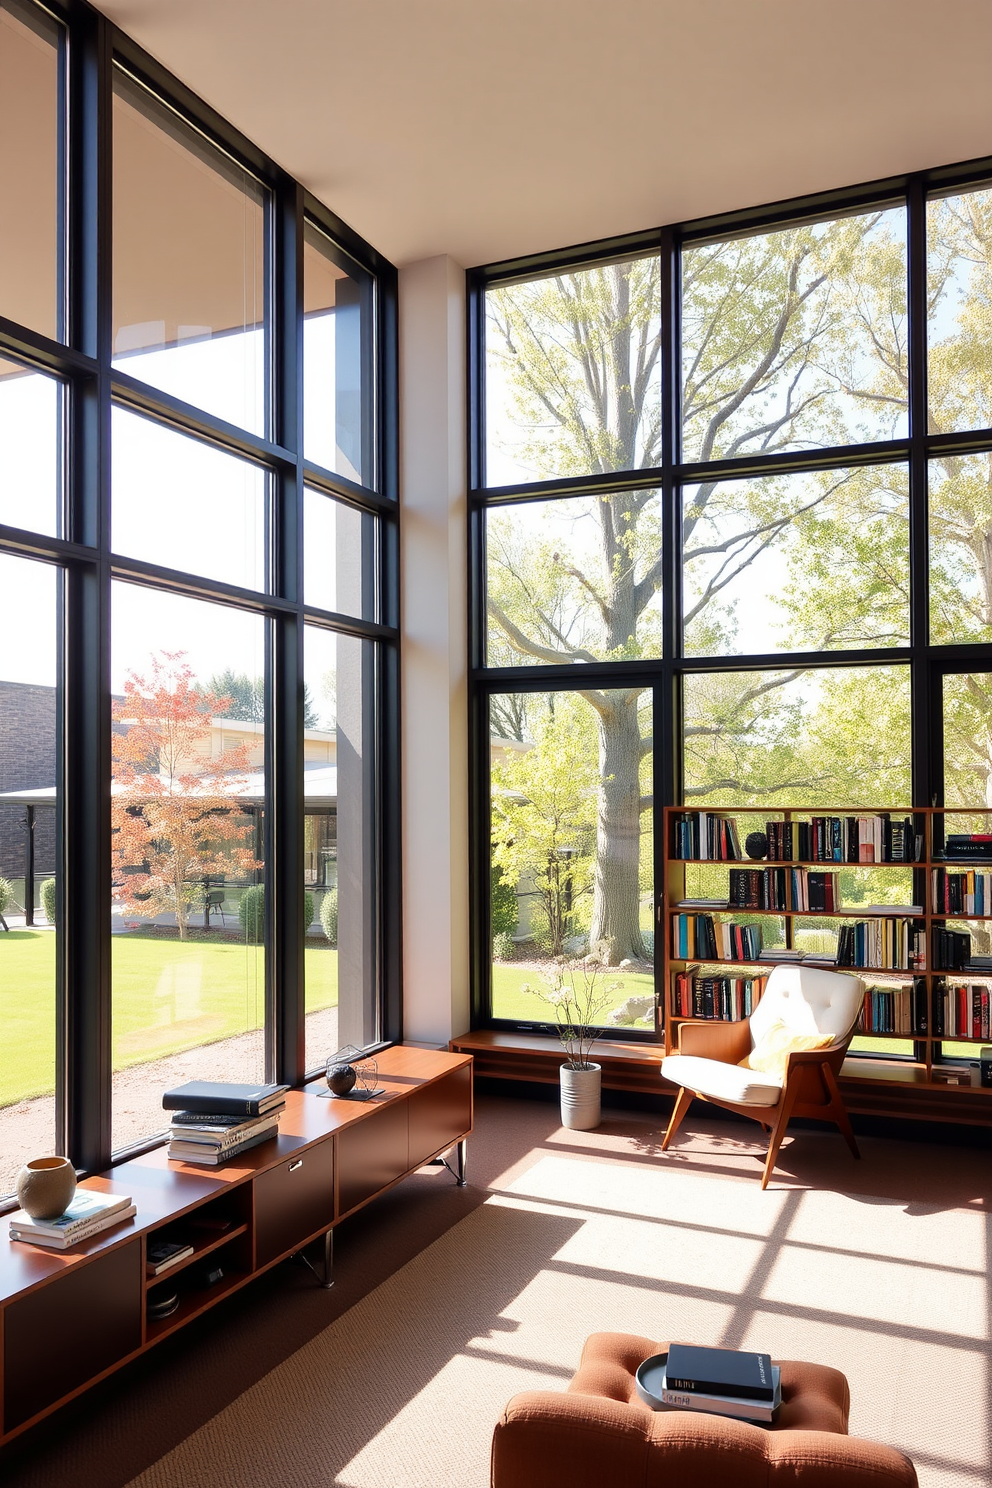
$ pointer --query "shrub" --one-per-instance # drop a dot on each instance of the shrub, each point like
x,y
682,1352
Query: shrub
x,y
48,899
6,894
251,912
504,906
329,915
503,946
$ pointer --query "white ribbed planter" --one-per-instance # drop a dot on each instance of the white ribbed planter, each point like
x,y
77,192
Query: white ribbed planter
x,y
580,1097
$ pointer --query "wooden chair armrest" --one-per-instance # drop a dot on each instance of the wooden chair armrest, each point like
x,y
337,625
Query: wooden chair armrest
x,y
728,1042
832,1054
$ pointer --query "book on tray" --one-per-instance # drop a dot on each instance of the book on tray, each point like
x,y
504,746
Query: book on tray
x,y
725,1382
89,1214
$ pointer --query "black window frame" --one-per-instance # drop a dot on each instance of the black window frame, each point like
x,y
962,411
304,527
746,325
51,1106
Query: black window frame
x,y
927,662
92,48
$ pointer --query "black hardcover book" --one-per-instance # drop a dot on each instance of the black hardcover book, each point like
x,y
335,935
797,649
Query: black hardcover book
x,y
703,1371
218,1096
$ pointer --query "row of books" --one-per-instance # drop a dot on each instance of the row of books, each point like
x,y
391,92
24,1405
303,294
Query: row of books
x,y
881,838
698,937
703,834
961,1011
951,948
890,944
783,888
215,1121
726,998
858,839
962,893
900,1010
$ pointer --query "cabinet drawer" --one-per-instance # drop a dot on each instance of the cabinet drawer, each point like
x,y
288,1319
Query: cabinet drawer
x,y
372,1154
440,1114
59,1336
294,1201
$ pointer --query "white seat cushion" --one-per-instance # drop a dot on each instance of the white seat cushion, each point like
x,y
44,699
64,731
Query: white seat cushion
x,y
729,1082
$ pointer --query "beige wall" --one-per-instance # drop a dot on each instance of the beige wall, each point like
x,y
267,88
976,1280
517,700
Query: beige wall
x,y
434,610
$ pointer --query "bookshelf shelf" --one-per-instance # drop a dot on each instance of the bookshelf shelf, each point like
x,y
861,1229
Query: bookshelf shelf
x,y
192,1304
940,997
200,1249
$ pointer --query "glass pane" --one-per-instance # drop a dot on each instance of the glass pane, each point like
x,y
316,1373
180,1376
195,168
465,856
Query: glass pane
x,y
341,997
337,360
30,449
968,745
573,383
812,562
830,736
185,504
30,168
188,876
959,275
189,264
574,580
961,548
29,857
338,557
795,339
571,876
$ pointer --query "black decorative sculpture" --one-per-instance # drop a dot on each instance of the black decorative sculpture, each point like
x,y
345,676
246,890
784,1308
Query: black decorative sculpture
x,y
756,844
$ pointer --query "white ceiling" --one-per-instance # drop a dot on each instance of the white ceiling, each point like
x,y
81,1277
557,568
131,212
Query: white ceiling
x,y
487,130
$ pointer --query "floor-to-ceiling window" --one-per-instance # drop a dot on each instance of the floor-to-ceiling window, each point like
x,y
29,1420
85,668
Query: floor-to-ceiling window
x,y
731,539
198,609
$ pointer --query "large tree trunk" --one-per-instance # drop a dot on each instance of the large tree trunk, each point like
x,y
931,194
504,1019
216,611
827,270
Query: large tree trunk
x,y
616,911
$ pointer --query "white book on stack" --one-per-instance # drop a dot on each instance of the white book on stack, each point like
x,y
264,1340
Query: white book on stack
x,y
86,1216
212,1154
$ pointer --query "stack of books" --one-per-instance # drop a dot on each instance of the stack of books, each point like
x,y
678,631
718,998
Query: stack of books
x,y
722,1382
89,1214
214,1121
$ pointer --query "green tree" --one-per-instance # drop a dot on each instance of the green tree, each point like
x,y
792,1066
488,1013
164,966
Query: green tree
x,y
544,808
247,698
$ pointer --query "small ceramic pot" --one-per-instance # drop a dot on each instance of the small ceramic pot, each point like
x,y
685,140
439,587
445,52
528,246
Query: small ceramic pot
x,y
45,1187
341,1079
580,1097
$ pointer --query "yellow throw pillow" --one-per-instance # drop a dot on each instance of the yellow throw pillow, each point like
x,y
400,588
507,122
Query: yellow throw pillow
x,y
771,1053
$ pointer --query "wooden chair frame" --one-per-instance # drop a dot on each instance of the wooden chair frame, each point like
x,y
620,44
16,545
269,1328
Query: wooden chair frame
x,y
809,1090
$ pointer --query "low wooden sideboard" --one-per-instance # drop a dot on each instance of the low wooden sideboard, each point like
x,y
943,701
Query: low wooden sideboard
x,y
68,1320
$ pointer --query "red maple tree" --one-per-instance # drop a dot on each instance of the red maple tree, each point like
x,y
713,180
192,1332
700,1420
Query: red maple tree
x,y
175,811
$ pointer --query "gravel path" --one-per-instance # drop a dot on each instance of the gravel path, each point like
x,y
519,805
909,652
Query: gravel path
x,y
27,1130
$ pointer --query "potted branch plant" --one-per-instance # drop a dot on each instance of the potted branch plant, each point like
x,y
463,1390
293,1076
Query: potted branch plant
x,y
577,999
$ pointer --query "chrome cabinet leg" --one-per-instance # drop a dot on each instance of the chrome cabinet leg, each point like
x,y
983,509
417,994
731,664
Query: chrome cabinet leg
x,y
461,1158
326,1275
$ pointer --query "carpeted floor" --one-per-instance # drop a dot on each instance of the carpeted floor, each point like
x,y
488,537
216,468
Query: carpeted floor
x,y
449,1301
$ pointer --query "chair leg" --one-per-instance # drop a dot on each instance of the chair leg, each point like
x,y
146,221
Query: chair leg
x,y
678,1115
778,1132
839,1110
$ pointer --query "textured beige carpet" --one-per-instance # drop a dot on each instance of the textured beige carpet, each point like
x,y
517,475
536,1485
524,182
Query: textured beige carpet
x,y
403,1390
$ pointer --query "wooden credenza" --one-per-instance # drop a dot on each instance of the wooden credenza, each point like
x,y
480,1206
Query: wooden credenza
x,y
68,1320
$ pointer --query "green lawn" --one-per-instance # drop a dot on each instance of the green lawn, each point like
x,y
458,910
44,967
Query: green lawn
x,y
510,1002
168,996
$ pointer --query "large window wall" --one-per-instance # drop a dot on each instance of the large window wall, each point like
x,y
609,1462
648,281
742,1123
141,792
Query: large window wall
x,y
198,608
731,537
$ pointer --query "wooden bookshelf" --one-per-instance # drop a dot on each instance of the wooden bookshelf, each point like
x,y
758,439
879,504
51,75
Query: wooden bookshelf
x,y
926,1072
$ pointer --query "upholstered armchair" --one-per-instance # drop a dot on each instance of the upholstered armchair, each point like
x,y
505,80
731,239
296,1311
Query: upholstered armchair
x,y
795,1039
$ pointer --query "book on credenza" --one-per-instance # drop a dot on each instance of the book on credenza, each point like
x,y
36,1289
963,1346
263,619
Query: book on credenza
x,y
54,1241
210,1121
222,1139
88,1207
224,1098
212,1157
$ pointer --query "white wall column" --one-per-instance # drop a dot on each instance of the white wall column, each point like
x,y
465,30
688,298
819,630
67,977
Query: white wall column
x,y
434,650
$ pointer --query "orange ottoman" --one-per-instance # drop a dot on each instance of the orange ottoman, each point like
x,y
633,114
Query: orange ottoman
x,y
599,1434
